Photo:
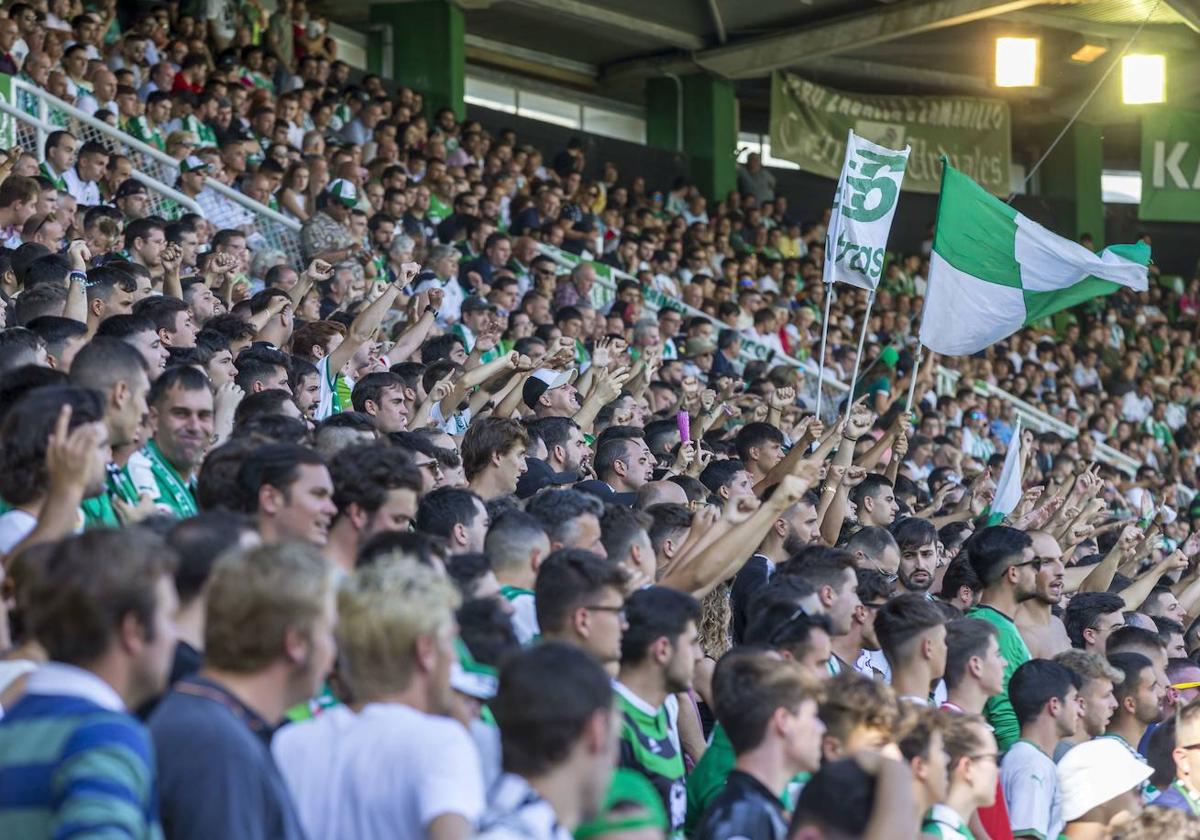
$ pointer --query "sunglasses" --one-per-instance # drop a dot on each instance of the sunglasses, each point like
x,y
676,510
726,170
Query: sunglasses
x,y
1036,562
782,629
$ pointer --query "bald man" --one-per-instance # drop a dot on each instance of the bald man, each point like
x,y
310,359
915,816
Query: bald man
x,y
1044,633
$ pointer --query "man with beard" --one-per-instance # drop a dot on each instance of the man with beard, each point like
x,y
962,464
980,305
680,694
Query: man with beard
x,y
1139,701
181,419
395,637
792,530
1004,560
659,652
567,455
917,540
1044,633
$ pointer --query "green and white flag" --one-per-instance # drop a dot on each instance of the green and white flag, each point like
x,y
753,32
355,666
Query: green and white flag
x,y
1008,486
994,271
863,207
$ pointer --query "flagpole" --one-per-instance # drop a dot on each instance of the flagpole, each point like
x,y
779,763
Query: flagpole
x,y
912,386
862,338
824,341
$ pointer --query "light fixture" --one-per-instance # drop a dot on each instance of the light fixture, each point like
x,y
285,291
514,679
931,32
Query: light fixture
x,y
1143,79
1088,53
1016,62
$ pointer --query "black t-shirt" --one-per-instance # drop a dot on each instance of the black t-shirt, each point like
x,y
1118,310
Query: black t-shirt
x,y
745,808
749,581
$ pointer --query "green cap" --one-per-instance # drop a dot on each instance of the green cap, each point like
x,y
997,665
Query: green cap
x,y
631,803
344,191
889,356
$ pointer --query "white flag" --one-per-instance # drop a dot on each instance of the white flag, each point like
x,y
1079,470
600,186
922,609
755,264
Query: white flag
x,y
863,207
1008,487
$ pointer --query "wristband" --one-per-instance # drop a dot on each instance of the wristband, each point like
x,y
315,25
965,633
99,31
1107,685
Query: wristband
x,y
429,309
76,276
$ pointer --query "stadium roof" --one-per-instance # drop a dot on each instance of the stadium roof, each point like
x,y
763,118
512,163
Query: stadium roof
x,y
909,46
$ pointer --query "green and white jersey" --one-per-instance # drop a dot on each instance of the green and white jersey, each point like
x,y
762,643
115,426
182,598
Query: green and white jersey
x,y
650,744
524,617
945,823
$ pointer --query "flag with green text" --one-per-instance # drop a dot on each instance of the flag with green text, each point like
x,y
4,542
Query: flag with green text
x,y
993,271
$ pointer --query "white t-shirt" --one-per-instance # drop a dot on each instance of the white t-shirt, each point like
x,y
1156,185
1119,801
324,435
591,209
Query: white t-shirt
x,y
1029,778
383,774
86,193
15,525
456,425
452,299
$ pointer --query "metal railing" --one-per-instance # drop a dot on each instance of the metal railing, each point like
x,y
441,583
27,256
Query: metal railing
x,y
1034,418
52,114
30,135
604,291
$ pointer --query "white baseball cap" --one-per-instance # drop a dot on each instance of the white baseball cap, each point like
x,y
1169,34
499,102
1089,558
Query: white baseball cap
x,y
1096,772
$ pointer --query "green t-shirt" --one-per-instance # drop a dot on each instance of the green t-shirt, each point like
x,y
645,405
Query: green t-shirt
x,y
650,747
707,779
998,710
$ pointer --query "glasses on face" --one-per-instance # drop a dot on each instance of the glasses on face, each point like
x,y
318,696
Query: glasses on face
x,y
431,465
782,628
1036,562
619,612
874,606
985,757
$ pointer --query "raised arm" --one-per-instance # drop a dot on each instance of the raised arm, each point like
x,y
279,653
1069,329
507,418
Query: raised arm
x,y
724,557
364,326
76,306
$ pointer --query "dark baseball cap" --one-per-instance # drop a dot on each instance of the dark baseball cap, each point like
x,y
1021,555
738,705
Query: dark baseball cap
x,y
541,381
539,474
131,186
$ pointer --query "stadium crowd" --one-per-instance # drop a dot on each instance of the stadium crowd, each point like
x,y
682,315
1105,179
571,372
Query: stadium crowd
x,y
425,536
